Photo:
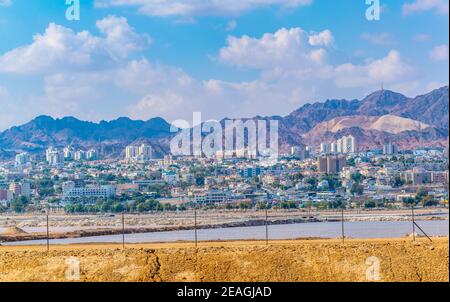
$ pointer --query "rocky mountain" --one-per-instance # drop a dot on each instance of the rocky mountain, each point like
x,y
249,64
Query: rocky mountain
x,y
382,116
431,108
386,123
45,131
382,102
422,120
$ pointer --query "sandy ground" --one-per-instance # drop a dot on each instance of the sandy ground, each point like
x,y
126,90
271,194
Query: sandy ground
x,y
384,260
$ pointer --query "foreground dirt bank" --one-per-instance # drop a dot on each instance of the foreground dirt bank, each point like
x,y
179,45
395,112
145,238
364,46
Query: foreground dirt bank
x,y
298,260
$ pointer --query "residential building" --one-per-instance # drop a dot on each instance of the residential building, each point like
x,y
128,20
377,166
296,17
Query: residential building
x,y
91,154
251,172
212,196
170,177
325,148
54,157
299,152
389,149
22,159
79,155
331,164
139,153
86,194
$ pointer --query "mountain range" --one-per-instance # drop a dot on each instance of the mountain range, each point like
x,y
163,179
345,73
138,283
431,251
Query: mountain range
x,y
383,116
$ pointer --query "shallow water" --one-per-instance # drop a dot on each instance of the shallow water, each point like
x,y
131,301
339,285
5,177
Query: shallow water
x,y
366,229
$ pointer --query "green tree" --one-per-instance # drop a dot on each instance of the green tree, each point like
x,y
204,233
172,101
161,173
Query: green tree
x,y
312,183
357,189
410,201
398,182
19,204
351,162
429,201
356,177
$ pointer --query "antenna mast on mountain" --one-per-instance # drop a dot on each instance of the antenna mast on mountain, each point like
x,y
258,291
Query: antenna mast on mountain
x,y
382,86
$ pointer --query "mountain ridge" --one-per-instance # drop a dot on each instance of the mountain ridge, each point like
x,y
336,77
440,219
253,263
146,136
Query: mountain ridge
x,y
112,136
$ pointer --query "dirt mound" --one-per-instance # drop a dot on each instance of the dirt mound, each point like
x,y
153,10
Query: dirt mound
x,y
14,231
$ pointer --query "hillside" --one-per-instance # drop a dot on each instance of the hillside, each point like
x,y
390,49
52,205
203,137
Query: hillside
x,y
387,123
382,116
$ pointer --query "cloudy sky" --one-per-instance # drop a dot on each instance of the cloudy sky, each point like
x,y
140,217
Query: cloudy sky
x,y
228,58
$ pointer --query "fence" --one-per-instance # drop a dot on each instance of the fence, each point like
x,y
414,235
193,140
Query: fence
x,y
197,225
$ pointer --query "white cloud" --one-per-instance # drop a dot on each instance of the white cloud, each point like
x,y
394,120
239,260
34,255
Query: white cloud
x,y
178,8
6,3
439,6
324,38
435,85
286,48
232,24
60,48
156,105
383,38
291,53
422,38
439,53
294,68
390,69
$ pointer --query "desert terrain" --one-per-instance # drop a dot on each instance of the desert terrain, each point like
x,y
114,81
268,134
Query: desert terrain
x,y
314,260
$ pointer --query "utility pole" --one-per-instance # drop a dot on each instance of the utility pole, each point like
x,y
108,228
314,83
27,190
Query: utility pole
x,y
48,235
342,225
413,222
267,227
123,231
195,227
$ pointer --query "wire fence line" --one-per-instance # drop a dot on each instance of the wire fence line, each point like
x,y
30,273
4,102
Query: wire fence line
x,y
261,225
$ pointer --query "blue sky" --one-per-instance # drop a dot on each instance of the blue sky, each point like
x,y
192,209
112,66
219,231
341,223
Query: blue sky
x,y
147,58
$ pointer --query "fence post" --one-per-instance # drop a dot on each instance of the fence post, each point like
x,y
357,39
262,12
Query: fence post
x,y
195,227
267,227
48,235
123,230
342,226
413,222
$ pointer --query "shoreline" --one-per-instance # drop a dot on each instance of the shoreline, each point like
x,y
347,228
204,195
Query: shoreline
x,y
102,231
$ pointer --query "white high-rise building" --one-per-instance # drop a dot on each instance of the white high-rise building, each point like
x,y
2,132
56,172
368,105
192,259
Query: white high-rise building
x,y
131,152
333,147
68,152
325,148
22,159
389,149
91,154
345,145
145,152
54,157
140,153
79,155
349,144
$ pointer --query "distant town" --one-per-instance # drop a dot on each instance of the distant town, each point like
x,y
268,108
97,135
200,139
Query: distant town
x,y
329,176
